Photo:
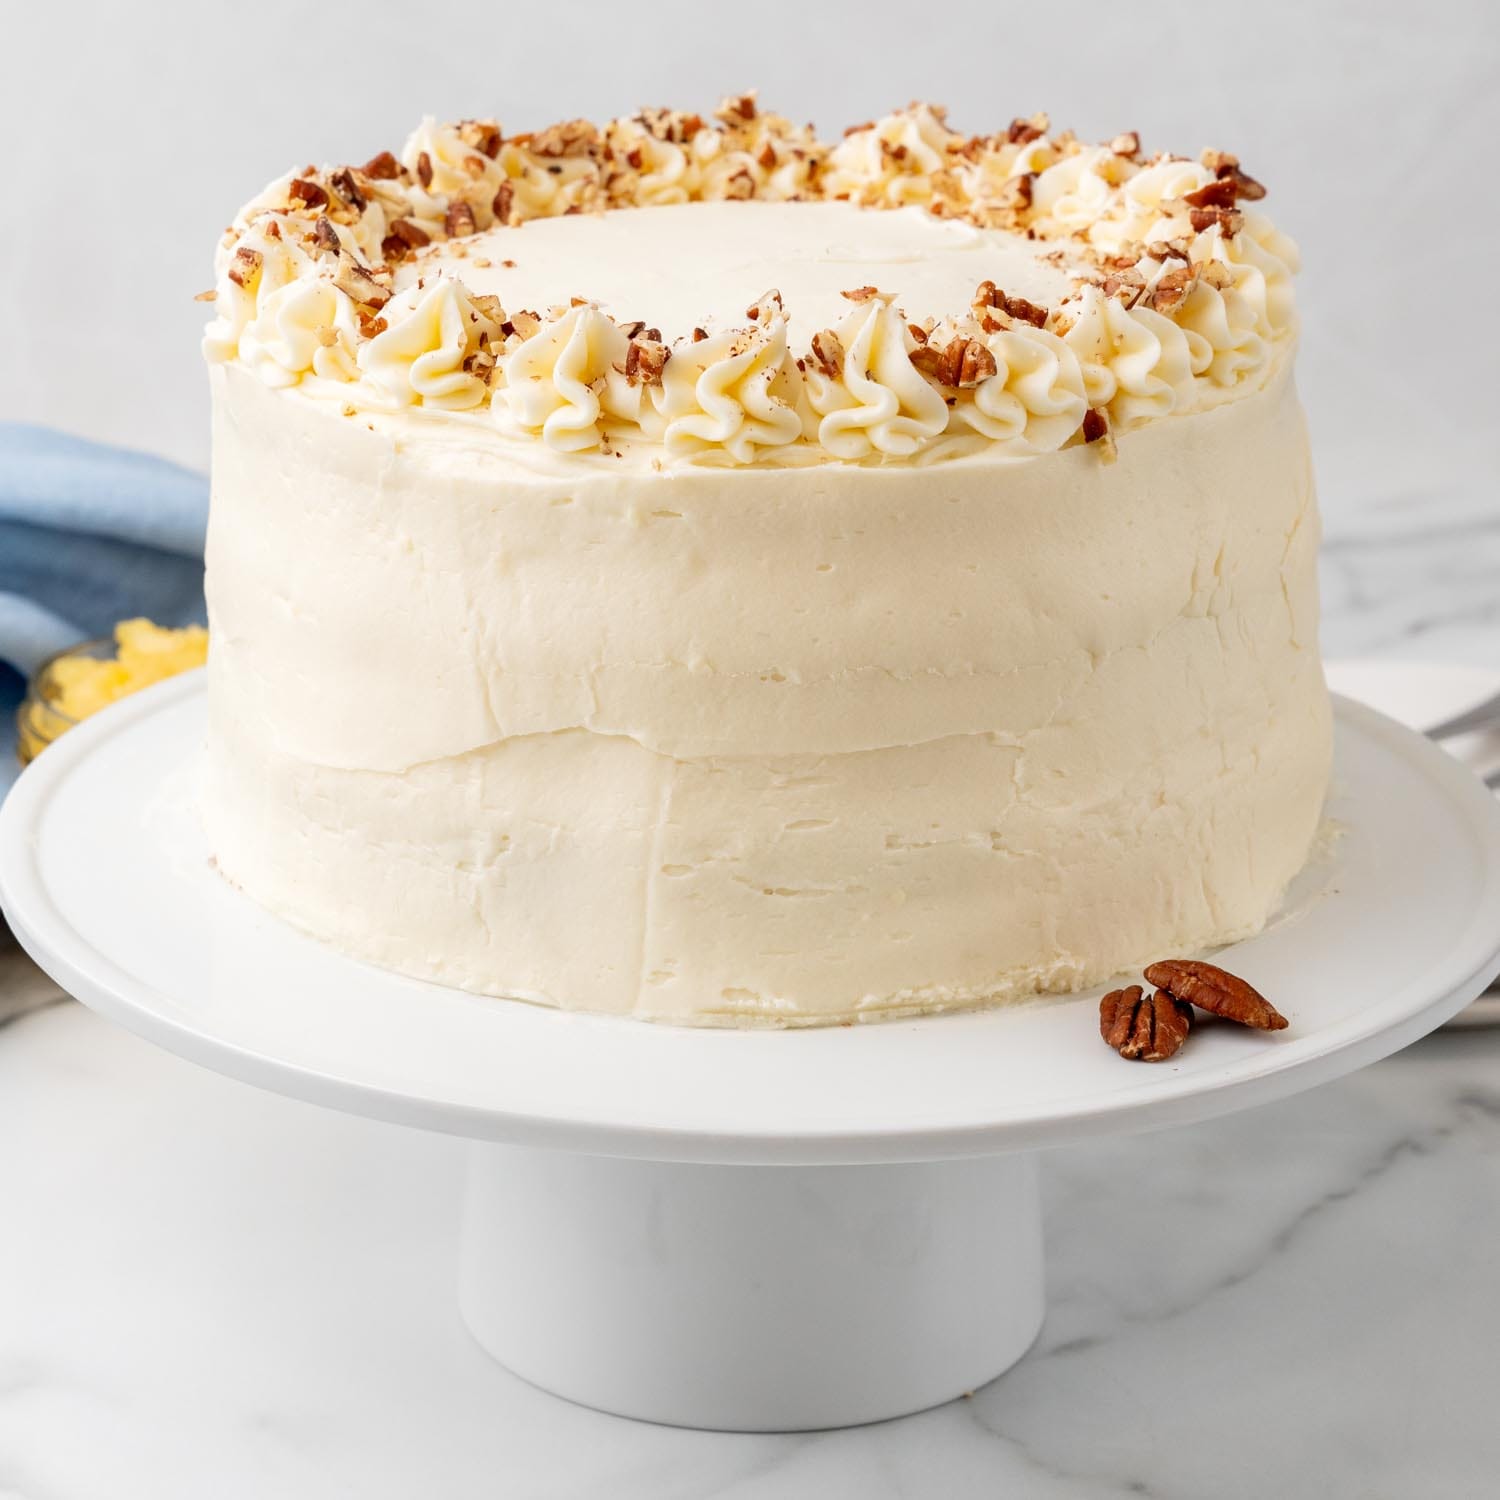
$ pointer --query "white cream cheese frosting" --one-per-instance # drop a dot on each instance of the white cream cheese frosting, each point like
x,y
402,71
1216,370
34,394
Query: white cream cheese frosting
x,y
622,637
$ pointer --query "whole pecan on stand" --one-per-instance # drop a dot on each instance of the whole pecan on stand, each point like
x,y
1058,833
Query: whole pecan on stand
x,y
1151,1028
1217,991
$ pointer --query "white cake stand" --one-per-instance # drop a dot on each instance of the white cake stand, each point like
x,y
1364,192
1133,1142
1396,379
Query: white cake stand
x,y
742,1230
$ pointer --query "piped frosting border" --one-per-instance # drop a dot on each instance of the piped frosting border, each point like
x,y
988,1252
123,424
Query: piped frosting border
x,y
1183,295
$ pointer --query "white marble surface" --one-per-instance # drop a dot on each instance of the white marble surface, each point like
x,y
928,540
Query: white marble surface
x,y
210,1291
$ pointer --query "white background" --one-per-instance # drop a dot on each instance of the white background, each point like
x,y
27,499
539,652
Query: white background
x,y
137,130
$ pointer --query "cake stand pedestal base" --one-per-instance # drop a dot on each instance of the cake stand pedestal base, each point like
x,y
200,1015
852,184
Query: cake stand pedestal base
x,y
753,1299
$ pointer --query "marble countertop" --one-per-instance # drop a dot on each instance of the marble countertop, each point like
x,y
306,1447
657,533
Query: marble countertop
x,y
206,1290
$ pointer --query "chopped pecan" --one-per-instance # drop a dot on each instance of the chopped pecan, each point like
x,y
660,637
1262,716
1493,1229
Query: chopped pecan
x,y
961,362
739,185
1171,288
1217,991
424,169
1016,192
645,359
309,194
245,266
370,325
1216,274
1229,220
1128,143
1023,132
737,109
828,354
488,306
208,296
766,156
382,167
523,324
860,293
413,236
325,236
1178,249
356,281
1096,430
1225,164
458,219
1220,193
347,188
1148,1029
482,135
505,197
989,295
1127,284
765,307
567,138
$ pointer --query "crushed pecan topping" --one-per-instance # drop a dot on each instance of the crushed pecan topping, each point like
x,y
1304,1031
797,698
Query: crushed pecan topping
x,y
828,354
645,359
424,169
1096,430
482,135
1023,132
245,266
737,109
1217,991
505,198
1171,288
523,325
349,191
209,296
325,236
1216,274
458,219
1229,220
860,293
765,307
961,362
383,167
370,326
1220,193
488,305
354,280
569,138
988,295
1224,164
309,194
1148,1028
1127,143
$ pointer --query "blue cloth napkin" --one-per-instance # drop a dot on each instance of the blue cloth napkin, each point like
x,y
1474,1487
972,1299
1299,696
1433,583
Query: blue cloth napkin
x,y
89,535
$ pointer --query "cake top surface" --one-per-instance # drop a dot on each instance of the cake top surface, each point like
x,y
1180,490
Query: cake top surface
x,y
683,266
727,292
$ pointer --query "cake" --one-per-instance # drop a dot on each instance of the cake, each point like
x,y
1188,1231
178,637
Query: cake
x,y
688,570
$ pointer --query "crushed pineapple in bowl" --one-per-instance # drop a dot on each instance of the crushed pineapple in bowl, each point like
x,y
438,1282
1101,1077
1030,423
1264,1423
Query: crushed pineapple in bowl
x,y
80,681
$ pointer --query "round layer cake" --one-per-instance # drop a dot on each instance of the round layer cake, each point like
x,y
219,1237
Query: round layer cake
x,y
689,571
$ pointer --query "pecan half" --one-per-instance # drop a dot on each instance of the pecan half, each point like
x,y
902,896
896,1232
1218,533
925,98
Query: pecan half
x,y
1217,991
1141,1028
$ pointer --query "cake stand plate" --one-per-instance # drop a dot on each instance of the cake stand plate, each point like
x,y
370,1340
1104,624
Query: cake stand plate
x,y
748,1230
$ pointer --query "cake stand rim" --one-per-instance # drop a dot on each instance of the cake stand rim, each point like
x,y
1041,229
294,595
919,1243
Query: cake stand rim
x,y
97,981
